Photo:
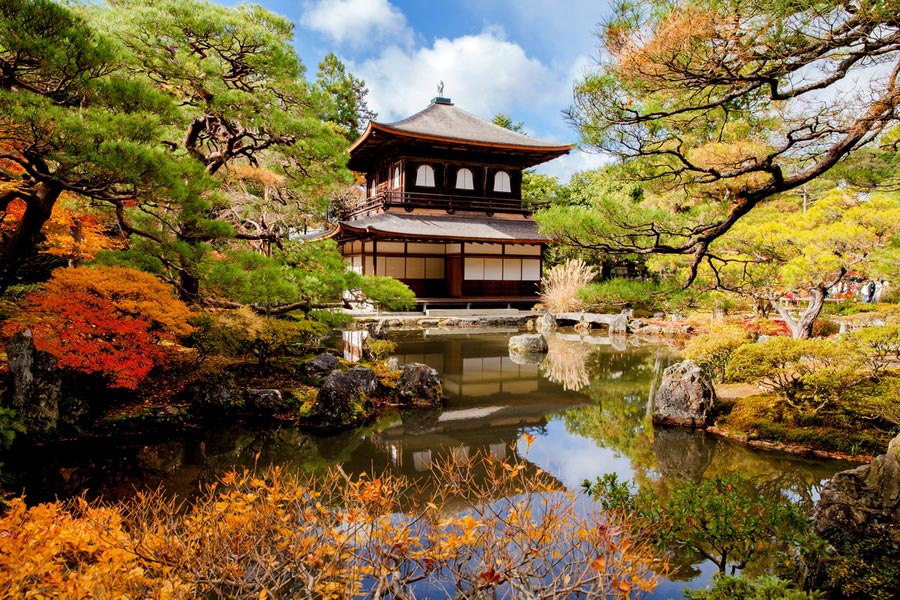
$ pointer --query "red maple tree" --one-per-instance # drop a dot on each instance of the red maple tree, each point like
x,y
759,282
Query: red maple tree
x,y
114,322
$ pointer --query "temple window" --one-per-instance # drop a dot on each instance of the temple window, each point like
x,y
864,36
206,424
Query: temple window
x,y
395,182
425,176
501,182
464,180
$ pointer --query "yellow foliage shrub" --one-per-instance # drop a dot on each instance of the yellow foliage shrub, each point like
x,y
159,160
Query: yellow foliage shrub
x,y
278,535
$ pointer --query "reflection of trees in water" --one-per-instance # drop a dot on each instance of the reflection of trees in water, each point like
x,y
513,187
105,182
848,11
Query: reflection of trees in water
x,y
796,477
566,363
620,385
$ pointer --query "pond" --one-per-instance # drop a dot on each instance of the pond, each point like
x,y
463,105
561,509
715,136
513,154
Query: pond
x,y
586,404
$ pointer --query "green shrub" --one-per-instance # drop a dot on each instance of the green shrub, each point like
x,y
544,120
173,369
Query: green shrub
x,y
877,346
243,331
807,374
748,413
846,308
727,587
335,319
387,293
712,351
863,568
379,349
10,427
722,519
645,296
890,296
825,328
620,291
214,335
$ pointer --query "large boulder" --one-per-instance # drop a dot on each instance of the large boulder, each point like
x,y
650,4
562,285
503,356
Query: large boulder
x,y
34,385
264,401
366,378
546,323
619,323
340,403
528,343
321,365
864,501
686,397
419,385
216,395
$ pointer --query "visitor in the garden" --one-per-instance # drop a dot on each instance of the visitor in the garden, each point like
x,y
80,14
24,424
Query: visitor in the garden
x,y
868,292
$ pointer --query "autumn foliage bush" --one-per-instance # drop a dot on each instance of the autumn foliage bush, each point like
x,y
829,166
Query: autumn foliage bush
x,y
114,322
561,284
476,534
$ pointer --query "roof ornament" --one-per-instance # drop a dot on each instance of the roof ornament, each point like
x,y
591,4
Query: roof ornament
x,y
440,99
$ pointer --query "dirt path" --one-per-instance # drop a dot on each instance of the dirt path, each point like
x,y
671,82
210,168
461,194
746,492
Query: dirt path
x,y
736,391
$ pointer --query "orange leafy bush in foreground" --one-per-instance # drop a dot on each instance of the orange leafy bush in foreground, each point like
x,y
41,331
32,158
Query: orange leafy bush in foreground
x,y
468,529
110,321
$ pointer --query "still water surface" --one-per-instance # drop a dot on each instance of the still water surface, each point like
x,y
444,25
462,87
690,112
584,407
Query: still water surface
x,y
586,403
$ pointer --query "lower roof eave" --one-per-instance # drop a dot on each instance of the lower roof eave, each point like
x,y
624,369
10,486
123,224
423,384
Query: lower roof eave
x,y
444,229
391,236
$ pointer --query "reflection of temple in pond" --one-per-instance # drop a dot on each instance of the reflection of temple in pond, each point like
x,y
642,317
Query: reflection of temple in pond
x,y
352,343
474,367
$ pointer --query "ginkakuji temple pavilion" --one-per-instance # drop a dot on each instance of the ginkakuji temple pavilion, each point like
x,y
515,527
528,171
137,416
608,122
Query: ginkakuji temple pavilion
x,y
443,208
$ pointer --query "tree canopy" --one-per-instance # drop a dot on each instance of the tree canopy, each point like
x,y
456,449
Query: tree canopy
x,y
718,105
192,123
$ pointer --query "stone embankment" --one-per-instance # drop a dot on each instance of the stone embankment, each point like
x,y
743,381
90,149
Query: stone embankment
x,y
540,321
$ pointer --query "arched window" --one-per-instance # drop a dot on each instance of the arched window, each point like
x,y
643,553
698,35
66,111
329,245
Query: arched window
x,y
425,176
464,180
395,182
501,182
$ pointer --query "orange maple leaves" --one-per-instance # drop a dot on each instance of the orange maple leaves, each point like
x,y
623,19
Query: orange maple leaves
x,y
509,533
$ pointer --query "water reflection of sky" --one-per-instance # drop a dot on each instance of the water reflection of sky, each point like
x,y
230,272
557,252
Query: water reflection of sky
x,y
572,458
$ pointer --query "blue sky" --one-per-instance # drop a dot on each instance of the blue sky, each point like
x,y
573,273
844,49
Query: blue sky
x,y
520,57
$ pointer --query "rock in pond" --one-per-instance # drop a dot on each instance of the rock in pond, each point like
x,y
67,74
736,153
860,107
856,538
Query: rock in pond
x,y
546,323
217,395
419,385
34,385
686,397
864,501
264,401
531,358
365,378
528,343
341,402
321,365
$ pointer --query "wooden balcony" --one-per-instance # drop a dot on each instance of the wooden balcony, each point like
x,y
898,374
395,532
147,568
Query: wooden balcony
x,y
409,201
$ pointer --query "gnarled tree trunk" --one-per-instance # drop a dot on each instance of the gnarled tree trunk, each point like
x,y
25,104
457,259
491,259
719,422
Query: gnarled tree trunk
x,y
22,242
802,326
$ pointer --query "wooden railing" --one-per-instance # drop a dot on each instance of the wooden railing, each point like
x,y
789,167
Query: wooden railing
x,y
448,202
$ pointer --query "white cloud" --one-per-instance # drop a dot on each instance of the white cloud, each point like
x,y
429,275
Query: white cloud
x,y
577,160
359,23
483,74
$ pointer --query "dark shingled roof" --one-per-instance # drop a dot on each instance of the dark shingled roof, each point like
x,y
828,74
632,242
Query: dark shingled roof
x,y
445,120
446,228
443,125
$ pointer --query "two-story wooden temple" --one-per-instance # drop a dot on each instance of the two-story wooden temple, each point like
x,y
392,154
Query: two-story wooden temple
x,y
443,207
